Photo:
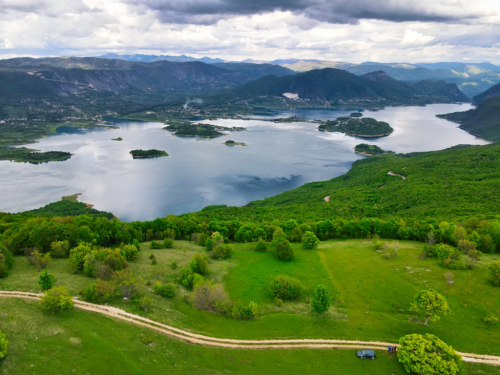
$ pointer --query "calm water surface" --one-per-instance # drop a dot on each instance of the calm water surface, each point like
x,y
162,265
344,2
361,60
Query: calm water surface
x,y
203,172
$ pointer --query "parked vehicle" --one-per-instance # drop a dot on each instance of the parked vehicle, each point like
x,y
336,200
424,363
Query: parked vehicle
x,y
366,354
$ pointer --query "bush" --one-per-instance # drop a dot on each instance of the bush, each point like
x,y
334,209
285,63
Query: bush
x,y
39,260
245,312
46,280
173,265
494,269
199,264
322,301
453,264
104,261
164,290
310,241
136,243
4,343
284,287
59,249
426,354
186,278
6,261
221,252
202,239
99,292
490,319
487,244
130,252
284,250
465,246
296,235
168,243
211,298
278,235
127,284
261,246
57,299
442,251
155,245
77,256
145,303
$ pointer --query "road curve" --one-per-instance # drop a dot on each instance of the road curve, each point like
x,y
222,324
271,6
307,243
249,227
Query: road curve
x,y
197,339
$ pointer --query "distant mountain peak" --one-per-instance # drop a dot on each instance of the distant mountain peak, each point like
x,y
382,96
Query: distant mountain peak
x,y
378,76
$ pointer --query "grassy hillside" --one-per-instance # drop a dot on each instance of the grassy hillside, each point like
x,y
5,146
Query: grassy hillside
x,y
483,121
455,182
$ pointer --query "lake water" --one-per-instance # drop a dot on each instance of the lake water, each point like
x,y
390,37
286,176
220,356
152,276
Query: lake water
x,y
198,173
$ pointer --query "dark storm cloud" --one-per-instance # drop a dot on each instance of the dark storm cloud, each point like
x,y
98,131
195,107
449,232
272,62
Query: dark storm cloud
x,y
332,11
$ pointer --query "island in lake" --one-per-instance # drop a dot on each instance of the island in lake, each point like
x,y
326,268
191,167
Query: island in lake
x,y
360,127
117,139
26,155
233,143
356,114
289,119
369,150
188,129
138,154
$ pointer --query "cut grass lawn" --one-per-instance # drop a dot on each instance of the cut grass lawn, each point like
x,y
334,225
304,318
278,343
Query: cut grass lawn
x,y
372,293
80,342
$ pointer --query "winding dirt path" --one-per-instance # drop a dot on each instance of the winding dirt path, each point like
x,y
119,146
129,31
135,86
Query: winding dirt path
x,y
194,338
391,173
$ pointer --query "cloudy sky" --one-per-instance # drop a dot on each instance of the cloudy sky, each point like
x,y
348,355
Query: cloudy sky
x,y
343,30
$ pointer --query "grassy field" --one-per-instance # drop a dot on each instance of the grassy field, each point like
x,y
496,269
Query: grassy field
x,y
372,293
79,342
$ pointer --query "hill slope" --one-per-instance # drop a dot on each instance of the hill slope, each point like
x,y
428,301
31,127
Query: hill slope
x,y
340,87
451,183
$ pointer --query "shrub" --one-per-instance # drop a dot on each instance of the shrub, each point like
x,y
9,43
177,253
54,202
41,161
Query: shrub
x,y
487,244
155,245
99,292
186,278
102,258
4,344
173,265
284,250
310,241
136,243
261,246
221,252
465,245
59,249
426,354
260,233
145,303
453,264
199,264
322,301
147,340
202,239
6,261
130,252
164,290
168,243
278,235
39,260
127,284
46,280
284,287
57,299
278,302
442,251
77,256
245,312
490,319
211,297
494,269
296,235
209,244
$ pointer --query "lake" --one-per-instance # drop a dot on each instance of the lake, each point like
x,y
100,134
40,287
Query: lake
x,y
198,172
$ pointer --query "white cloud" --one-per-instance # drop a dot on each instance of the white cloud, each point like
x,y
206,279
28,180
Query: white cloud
x,y
414,38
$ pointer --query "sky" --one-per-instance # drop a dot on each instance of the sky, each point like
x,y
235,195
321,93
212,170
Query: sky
x,y
338,30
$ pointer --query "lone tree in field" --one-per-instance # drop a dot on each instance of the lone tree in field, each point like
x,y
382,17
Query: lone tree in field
x,y
430,303
310,241
322,301
46,280
284,250
428,355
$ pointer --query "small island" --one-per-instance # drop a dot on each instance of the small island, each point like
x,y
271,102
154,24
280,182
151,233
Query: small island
x,y
26,155
117,139
289,119
356,114
188,129
233,143
141,154
369,150
359,127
